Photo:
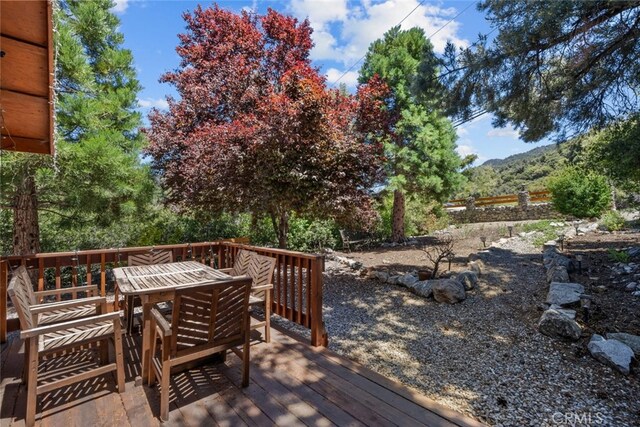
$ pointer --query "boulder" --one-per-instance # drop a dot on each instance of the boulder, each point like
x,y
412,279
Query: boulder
x,y
423,288
448,290
468,278
557,325
407,280
633,341
564,293
558,260
631,286
557,274
476,266
383,276
393,280
611,352
571,314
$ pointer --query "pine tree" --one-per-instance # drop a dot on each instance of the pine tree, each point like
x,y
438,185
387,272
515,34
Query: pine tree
x,y
96,177
421,156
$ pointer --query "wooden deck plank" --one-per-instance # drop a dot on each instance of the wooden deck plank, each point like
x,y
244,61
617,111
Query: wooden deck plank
x,y
291,384
318,401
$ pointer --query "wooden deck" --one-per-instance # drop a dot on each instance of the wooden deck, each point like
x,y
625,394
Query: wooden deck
x,y
291,383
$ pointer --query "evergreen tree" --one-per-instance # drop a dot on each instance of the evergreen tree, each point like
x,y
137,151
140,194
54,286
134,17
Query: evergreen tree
x,y
96,177
421,156
555,67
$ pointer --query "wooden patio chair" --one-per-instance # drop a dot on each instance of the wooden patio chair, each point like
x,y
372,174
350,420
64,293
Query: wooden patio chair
x,y
240,264
205,320
60,339
149,258
60,311
260,270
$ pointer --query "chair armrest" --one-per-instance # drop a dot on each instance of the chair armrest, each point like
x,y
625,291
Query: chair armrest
x,y
262,288
28,333
66,290
161,322
43,308
225,270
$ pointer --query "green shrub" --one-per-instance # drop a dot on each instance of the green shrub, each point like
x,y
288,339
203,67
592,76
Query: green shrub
x,y
612,221
619,256
311,235
579,193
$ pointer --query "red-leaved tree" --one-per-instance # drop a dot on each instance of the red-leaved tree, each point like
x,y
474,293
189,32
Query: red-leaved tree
x,y
256,129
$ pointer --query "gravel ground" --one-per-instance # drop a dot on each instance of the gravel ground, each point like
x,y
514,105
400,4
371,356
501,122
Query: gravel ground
x,y
484,356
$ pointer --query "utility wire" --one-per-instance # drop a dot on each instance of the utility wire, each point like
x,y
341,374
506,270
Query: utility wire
x,y
400,23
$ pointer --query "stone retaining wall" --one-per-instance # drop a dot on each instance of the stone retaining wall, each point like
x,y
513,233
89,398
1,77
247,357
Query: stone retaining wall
x,y
523,211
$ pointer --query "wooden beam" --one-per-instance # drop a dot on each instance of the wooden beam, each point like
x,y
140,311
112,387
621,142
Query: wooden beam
x,y
24,115
25,20
24,68
28,145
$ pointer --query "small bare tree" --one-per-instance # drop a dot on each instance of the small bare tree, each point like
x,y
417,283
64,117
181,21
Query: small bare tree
x,y
442,249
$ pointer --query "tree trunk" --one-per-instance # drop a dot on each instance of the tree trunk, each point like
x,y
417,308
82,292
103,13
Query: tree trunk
x,y
280,222
26,231
397,233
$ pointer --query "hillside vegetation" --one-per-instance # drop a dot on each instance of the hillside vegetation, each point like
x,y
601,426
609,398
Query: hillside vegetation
x,y
528,170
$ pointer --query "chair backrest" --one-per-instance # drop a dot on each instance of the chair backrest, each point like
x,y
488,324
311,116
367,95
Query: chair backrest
x,y
344,235
210,315
261,269
241,263
151,258
21,293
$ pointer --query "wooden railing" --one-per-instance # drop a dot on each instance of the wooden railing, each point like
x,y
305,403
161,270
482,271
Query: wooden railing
x,y
297,293
507,199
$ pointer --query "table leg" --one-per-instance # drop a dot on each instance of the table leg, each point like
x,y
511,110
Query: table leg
x,y
146,341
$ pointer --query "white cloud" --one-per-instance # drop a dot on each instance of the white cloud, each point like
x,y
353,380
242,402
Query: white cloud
x,y
160,103
357,26
350,78
503,133
465,150
462,131
120,6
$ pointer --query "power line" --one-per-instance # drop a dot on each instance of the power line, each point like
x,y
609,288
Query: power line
x,y
400,23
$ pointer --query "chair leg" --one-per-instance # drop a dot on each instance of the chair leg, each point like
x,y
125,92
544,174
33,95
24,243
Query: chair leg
x,y
245,360
164,381
32,383
104,352
117,344
151,376
267,315
25,365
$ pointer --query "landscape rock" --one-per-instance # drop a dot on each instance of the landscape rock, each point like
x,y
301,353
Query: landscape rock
x,y
564,293
383,276
423,288
468,278
611,352
571,314
407,280
633,341
393,280
631,286
634,252
557,274
557,325
636,294
558,261
476,266
449,291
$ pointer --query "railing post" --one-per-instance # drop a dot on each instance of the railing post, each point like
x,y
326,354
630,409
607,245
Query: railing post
x,y
318,333
4,278
523,199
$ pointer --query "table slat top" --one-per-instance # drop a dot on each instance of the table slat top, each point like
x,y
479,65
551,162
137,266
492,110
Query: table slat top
x,y
153,278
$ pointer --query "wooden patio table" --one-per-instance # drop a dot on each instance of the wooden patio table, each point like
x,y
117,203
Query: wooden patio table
x,y
157,283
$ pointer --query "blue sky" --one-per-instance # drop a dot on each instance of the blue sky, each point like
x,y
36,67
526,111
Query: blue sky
x,y
343,30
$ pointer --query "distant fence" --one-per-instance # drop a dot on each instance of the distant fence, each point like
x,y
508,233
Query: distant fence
x,y
543,196
510,207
